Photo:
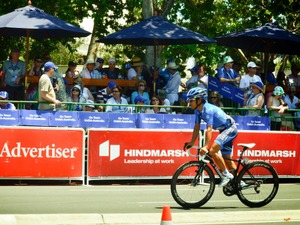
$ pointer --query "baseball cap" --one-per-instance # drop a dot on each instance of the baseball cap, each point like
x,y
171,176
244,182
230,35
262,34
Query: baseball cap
x,y
111,84
90,103
139,99
48,65
194,69
251,64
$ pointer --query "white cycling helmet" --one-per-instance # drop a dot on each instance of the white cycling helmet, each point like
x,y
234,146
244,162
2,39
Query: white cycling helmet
x,y
197,92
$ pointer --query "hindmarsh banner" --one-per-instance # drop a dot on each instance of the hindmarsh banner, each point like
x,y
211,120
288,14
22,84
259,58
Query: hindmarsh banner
x,y
41,152
157,154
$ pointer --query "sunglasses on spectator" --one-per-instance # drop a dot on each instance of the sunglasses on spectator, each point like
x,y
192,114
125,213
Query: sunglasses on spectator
x,y
213,97
75,90
254,68
141,85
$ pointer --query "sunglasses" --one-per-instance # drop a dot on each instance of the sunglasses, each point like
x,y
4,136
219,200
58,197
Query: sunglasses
x,y
141,85
75,90
213,97
254,68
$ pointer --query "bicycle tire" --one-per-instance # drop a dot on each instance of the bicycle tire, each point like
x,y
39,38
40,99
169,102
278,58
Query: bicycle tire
x,y
260,184
191,194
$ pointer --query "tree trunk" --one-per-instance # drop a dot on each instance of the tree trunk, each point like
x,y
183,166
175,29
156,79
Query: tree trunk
x,y
93,46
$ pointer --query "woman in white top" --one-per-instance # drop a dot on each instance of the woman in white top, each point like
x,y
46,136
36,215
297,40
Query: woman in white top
x,y
277,105
155,101
117,103
256,99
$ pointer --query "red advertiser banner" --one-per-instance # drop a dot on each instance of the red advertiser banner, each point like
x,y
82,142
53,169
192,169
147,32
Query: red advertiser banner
x,y
41,153
280,149
136,152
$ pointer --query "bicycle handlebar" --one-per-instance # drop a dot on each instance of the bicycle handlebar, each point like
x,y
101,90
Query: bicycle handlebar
x,y
201,157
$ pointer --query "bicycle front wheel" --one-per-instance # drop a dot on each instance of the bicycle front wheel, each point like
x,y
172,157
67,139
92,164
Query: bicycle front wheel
x,y
192,185
258,184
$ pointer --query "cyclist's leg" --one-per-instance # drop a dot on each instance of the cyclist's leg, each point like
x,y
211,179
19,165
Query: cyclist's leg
x,y
214,152
224,140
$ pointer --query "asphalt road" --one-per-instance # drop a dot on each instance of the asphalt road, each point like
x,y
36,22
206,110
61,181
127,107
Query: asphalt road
x,y
135,204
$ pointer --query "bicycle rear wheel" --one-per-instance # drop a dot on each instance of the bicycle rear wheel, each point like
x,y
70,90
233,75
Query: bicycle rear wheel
x,y
258,184
190,188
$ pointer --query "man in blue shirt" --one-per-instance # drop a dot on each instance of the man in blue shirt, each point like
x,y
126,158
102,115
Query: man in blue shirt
x,y
227,74
216,119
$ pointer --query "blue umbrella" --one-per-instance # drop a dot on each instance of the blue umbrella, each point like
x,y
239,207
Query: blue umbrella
x,y
269,38
155,31
33,22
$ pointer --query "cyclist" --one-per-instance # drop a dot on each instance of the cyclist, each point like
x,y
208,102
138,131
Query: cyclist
x,y
216,119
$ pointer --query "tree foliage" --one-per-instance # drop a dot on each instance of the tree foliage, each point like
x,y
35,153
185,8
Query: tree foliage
x,y
211,18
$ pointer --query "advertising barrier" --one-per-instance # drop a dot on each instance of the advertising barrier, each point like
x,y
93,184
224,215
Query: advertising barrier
x,y
156,154
117,120
138,153
41,153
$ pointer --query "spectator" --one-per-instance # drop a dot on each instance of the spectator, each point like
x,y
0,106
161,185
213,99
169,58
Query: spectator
x,y
104,94
297,116
140,87
166,102
32,90
86,93
112,71
59,86
199,79
139,100
293,79
277,107
281,79
270,74
90,107
14,71
6,105
227,74
136,69
89,72
250,77
76,97
182,101
256,99
151,80
173,83
215,99
46,90
36,69
156,101
163,76
117,103
71,71
99,65
290,99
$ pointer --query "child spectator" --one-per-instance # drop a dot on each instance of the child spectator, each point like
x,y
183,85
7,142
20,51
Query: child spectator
x,y
6,105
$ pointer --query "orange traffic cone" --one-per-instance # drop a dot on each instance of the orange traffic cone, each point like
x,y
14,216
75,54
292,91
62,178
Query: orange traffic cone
x,y
166,218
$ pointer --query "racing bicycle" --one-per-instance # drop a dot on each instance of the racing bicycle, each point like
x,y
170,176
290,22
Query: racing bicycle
x,y
256,183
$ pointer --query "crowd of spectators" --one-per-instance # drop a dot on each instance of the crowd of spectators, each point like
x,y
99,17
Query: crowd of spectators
x,y
155,91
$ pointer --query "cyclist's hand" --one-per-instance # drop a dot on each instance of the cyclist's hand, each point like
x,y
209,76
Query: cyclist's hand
x,y
203,151
187,145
